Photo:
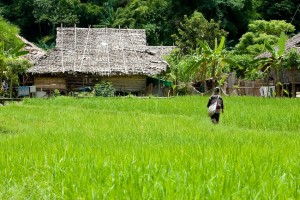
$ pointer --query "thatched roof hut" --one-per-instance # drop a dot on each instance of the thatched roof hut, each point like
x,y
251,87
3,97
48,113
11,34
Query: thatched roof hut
x,y
120,55
101,51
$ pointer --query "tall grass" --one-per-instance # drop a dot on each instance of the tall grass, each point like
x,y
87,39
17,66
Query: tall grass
x,y
131,148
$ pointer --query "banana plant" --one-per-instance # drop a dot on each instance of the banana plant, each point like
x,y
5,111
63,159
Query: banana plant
x,y
12,63
275,61
208,62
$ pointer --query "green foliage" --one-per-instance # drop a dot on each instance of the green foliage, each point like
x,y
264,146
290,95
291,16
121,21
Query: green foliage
x,y
287,10
247,66
234,16
173,59
208,62
276,59
47,42
89,14
272,27
149,15
108,15
292,59
56,93
104,89
252,44
160,18
176,71
12,64
56,12
19,12
197,27
8,33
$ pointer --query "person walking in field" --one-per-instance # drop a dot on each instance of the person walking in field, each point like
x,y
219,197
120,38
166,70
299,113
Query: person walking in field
x,y
220,105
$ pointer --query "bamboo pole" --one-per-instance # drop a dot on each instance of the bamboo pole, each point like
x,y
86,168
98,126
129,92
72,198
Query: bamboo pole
x,y
85,47
75,47
123,54
62,48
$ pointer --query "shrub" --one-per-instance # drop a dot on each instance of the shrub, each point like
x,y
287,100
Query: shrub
x,y
104,89
56,93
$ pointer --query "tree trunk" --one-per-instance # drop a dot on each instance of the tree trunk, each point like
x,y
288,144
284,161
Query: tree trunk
x,y
213,73
1,81
277,86
213,83
294,80
10,88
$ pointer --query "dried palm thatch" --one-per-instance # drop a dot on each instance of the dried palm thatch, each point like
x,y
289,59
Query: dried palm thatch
x,y
101,51
161,51
35,53
293,42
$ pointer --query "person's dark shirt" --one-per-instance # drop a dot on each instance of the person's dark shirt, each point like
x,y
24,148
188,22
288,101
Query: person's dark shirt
x,y
212,99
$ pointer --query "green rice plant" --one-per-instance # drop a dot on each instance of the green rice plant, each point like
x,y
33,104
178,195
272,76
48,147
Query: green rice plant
x,y
149,148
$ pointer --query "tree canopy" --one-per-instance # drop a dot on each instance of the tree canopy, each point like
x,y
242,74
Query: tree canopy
x,y
160,18
252,43
8,34
197,27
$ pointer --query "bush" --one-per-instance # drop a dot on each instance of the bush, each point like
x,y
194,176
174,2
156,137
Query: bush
x,y
56,93
104,89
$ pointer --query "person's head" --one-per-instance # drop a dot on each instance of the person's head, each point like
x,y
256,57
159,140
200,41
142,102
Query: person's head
x,y
217,90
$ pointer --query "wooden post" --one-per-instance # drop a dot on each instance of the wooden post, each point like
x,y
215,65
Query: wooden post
x,y
75,47
62,46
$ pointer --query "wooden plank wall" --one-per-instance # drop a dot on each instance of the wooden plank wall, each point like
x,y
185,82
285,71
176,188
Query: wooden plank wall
x,y
74,83
50,83
249,88
128,83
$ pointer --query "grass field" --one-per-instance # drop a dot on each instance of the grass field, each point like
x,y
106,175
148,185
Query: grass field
x,y
133,148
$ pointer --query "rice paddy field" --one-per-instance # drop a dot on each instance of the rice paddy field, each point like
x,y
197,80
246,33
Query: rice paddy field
x,y
149,148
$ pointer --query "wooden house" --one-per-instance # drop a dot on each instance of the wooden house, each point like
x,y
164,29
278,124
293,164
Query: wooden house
x,y
84,57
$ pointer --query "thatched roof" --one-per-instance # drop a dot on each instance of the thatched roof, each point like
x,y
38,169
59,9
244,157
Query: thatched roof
x,y
102,51
160,50
35,53
293,42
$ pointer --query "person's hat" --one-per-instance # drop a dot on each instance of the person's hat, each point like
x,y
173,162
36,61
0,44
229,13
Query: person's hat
x,y
217,89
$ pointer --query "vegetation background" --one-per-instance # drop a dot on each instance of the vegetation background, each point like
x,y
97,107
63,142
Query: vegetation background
x,y
194,27
37,19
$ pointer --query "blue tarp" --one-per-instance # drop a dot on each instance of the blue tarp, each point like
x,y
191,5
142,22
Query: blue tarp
x,y
23,91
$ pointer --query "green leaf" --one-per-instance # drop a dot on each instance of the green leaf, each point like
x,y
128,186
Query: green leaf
x,y
269,48
232,62
221,45
18,48
281,44
21,53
